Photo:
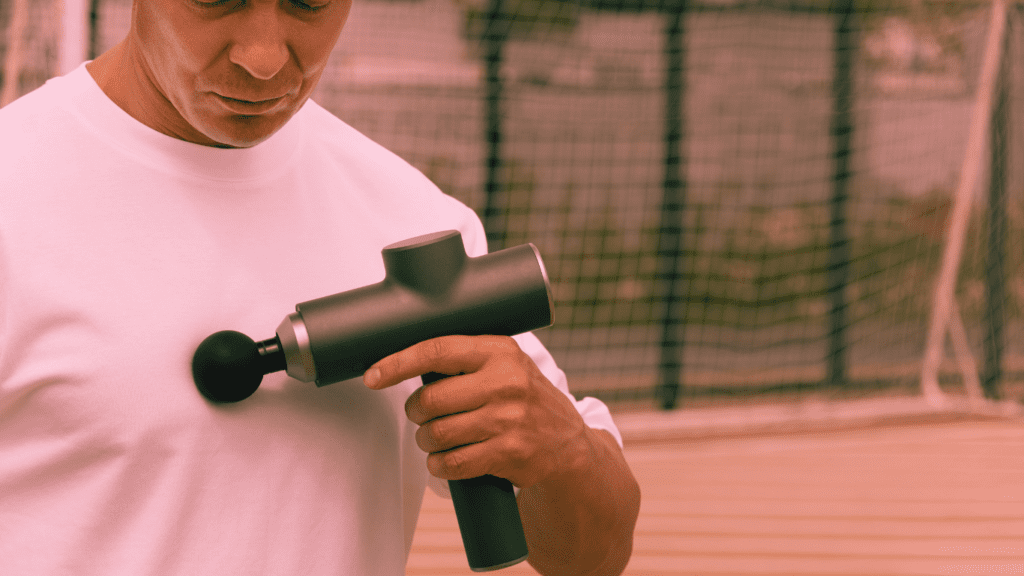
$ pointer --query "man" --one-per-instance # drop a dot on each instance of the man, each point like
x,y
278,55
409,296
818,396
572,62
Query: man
x,y
182,184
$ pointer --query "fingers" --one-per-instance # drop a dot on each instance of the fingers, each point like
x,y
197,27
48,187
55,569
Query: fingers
x,y
491,440
445,355
496,455
442,434
449,396
471,461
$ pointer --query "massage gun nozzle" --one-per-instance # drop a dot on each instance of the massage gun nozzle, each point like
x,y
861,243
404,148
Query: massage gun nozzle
x,y
229,366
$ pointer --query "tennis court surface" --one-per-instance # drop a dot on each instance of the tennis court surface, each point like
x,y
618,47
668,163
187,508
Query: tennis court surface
x,y
922,496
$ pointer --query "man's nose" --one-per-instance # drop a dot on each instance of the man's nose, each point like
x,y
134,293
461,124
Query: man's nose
x,y
260,45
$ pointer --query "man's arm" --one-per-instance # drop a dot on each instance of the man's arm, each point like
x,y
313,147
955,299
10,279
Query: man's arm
x,y
500,415
582,521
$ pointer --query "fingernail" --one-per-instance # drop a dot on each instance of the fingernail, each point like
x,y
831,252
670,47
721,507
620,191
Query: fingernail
x,y
372,377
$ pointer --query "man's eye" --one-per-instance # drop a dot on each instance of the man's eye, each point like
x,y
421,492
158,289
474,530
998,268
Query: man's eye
x,y
309,7
297,3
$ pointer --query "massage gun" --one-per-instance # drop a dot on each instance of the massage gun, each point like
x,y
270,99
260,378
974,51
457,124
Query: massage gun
x,y
431,288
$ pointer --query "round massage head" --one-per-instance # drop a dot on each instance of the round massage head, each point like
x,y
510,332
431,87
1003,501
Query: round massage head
x,y
227,367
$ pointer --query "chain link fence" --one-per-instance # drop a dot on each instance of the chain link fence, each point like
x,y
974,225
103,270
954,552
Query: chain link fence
x,y
738,202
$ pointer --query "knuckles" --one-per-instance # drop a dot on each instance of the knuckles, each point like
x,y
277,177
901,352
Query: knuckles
x,y
518,452
452,464
505,343
421,404
505,348
433,436
432,349
516,383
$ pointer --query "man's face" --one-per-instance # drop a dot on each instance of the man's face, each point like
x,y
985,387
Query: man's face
x,y
231,72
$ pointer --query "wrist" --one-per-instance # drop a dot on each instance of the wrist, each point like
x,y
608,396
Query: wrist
x,y
580,520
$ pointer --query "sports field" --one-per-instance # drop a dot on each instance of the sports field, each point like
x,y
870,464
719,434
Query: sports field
x,y
925,495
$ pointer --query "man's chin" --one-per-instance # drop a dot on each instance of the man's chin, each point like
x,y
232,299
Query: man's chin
x,y
242,131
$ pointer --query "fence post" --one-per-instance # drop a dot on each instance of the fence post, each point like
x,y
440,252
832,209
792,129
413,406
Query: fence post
x,y
993,320
672,283
94,29
496,29
839,241
10,88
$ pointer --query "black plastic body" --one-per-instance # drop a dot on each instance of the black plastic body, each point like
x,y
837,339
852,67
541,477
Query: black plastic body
x,y
488,515
432,288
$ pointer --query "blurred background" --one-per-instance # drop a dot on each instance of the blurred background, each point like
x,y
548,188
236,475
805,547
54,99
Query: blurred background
x,y
739,202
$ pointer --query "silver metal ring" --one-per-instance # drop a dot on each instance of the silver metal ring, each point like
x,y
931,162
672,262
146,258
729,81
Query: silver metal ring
x,y
547,282
295,342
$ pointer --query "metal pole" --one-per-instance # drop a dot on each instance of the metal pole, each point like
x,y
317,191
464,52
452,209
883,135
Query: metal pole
x,y
672,284
839,241
995,275
94,29
495,34
15,54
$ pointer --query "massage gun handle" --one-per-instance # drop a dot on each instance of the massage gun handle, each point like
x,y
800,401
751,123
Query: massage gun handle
x,y
492,531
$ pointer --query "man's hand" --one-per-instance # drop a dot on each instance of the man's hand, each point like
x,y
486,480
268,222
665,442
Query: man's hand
x,y
497,414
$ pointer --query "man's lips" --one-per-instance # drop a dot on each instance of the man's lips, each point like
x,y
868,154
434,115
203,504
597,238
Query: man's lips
x,y
249,107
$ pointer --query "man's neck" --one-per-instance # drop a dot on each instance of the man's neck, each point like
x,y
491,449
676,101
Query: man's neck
x,y
124,81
